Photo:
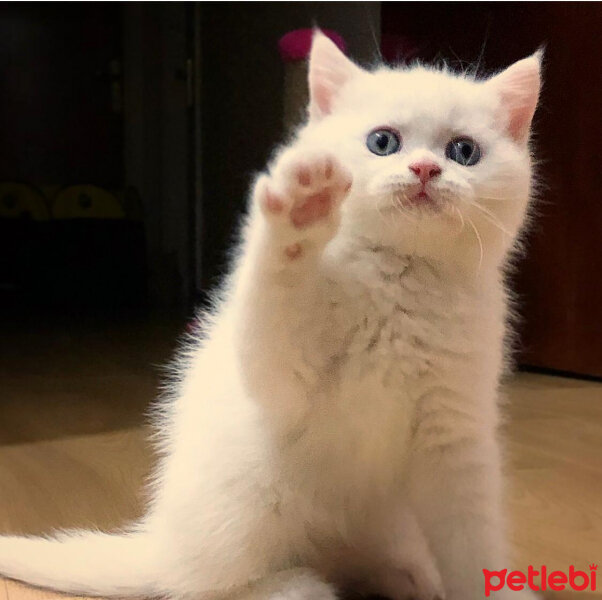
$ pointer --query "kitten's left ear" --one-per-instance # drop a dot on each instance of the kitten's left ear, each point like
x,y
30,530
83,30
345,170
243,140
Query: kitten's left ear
x,y
518,88
329,71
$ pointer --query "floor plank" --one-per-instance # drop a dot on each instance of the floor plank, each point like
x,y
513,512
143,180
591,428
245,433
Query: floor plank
x,y
555,447
83,481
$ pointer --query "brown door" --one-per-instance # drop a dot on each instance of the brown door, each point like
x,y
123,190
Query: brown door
x,y
561,278
560,281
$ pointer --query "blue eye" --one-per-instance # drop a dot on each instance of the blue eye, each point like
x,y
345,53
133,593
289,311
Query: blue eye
x,y
383,142
464,151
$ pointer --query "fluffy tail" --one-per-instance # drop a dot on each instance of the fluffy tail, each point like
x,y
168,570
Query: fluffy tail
x,y
86,563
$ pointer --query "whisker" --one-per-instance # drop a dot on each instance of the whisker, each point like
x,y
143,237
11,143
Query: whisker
x,y
490,217
402,207
457,210
379,210
476,231
378,57
498,198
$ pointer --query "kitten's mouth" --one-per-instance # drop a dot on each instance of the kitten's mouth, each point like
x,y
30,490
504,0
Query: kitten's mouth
x,y
418,198
422,197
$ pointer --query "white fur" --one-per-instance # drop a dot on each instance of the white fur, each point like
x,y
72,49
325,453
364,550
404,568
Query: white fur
x,y
336,421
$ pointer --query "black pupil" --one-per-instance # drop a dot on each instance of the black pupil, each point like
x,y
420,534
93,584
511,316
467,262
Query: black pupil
x,y
382,141
466,150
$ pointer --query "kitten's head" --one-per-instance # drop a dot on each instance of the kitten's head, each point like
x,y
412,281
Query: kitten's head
x,y
440,161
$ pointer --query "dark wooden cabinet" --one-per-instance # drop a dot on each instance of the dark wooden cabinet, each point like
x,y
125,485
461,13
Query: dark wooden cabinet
x,y
559,282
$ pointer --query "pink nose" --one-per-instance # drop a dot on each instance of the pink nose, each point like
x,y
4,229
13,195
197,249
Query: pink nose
x,y
425,170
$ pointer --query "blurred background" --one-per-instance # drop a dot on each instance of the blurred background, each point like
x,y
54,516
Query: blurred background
x,y
130,134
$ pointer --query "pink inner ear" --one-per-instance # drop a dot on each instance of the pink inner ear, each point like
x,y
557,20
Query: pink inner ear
x,y
325,82
322,98
520,121
321,95
519,90
329,70
520,99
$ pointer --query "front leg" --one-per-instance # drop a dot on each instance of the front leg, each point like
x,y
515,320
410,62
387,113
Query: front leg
x,y
283,294
455,485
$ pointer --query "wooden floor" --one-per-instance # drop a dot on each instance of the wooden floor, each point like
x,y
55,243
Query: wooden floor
x,y
73,449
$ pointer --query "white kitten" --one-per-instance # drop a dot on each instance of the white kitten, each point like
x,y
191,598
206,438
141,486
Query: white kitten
x,y
336,424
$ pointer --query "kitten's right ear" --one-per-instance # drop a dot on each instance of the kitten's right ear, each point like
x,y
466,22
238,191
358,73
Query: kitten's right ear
x,y
329,71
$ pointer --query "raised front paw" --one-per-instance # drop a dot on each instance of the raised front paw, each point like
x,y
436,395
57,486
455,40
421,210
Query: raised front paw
x,y
303,195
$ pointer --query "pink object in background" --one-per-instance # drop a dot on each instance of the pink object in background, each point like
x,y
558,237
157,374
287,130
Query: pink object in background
x,y
295,45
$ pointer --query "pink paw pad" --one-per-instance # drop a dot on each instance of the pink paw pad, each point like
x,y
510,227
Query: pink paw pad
x,y
274,204
314,208
304,176
306,191
294,251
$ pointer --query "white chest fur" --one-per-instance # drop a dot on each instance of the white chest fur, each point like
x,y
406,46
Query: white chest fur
x,y
396,329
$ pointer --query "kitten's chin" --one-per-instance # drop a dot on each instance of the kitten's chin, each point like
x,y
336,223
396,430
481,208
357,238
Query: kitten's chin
x,y
433,228
422,201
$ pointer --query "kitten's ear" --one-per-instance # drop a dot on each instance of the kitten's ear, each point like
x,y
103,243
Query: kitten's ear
x,y
329,71
518,87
